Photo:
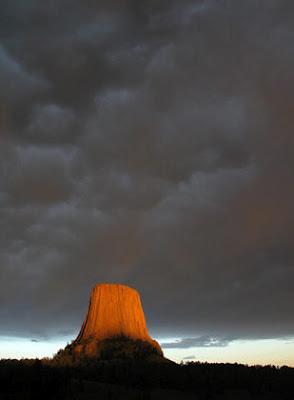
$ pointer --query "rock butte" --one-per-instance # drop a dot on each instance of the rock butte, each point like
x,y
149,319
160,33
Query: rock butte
x,y
115,310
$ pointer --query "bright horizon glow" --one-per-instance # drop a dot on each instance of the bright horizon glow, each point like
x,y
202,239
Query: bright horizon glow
x,y
18,348
277,352
252,352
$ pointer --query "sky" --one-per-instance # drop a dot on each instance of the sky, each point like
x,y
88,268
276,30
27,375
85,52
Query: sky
x,y
149,143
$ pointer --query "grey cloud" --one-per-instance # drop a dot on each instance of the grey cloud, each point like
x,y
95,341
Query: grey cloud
x,y
52,123
202,341
150,144
36,175
16,81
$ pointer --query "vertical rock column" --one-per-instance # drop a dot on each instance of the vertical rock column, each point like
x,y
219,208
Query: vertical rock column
x,y
115,310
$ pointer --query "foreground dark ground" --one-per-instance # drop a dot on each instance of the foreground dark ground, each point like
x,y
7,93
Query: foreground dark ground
x,y
44,379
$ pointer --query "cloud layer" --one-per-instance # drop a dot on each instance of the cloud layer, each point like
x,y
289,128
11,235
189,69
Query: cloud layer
x,y
202,341
148,143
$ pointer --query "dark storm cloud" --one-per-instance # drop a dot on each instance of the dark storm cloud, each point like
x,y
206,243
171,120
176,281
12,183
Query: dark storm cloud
x,y
148,143
16,82
34,174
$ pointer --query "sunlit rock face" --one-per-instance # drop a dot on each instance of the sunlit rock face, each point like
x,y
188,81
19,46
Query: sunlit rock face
x,y
114,310
115,326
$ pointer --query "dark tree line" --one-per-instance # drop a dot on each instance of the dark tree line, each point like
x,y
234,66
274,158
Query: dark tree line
x,y
45,379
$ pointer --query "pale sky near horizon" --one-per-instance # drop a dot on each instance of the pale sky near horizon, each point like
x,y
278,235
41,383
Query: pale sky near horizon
x,y
250,352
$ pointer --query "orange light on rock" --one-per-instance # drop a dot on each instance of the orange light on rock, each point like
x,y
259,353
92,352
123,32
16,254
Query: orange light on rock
x,y
115,320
